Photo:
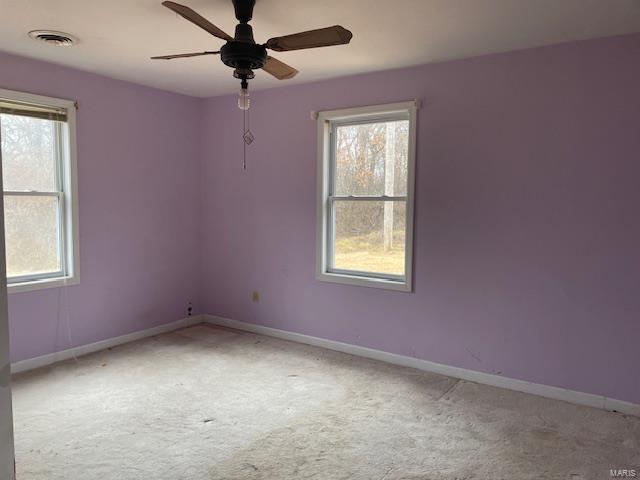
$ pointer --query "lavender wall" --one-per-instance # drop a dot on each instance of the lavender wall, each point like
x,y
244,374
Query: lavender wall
x,y
527,259
137,168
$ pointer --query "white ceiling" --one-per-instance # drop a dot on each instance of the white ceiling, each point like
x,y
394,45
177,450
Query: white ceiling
x,y
117,37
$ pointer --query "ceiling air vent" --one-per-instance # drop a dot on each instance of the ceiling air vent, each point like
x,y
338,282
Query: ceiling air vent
x,y
51,37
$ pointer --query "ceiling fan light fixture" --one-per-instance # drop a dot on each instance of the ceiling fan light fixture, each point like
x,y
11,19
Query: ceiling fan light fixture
x,y
53,37
244,100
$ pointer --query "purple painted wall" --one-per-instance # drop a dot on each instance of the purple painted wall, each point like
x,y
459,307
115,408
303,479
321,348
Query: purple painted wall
x,y
527,260
139,211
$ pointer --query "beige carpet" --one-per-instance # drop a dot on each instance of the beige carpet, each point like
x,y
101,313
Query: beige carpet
x,y
210,403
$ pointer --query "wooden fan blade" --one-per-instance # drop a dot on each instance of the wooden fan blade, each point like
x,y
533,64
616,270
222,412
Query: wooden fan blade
x,y
183,55
280,70
193,17
323,37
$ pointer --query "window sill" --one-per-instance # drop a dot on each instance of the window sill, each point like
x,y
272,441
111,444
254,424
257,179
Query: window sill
x,y
42,284
400,286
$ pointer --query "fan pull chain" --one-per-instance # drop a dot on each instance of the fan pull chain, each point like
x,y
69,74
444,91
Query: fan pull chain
x,y
247,136
244,145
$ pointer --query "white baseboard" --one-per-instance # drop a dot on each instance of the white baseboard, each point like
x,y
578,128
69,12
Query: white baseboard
x,y
556,393
44,360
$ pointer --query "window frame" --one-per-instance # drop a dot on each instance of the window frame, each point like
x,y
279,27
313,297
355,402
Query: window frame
x,y
67,188
327,122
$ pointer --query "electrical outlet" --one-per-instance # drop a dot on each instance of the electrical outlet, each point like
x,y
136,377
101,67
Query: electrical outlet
x,y
255,297
189,309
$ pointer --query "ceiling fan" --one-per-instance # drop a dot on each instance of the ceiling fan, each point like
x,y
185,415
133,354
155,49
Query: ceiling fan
x,y
244,55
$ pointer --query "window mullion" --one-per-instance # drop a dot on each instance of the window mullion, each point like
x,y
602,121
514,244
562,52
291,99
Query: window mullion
x,y
31,193
382,198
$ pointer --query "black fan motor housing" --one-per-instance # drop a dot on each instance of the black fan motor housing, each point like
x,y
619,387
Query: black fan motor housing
x,y
243,55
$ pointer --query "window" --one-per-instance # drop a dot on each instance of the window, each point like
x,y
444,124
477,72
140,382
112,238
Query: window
x,y
37,147
366,161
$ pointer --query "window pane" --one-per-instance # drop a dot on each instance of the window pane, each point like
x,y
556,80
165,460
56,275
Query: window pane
x,y
28,153
371,159
31,235
369,236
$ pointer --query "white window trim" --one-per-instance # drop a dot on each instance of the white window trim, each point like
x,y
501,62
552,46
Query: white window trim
x,y
72,254
324,120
